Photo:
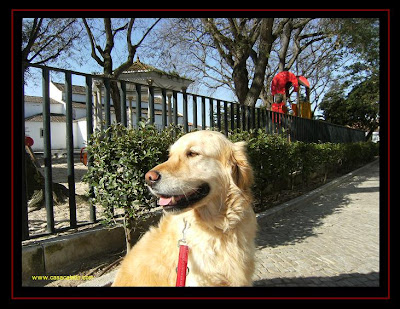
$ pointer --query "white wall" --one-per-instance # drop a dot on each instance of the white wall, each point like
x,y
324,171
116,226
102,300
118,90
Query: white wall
x,y
37,108
33,109
79,113
32,129
78,97
57,108
55,93
57,133
80,134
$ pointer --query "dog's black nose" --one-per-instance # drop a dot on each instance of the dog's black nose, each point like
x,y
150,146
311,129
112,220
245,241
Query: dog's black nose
x,y
152,177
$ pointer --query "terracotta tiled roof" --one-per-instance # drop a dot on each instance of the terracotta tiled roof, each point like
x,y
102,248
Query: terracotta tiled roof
x,y
53,118
139,66
78,104
75,88
34,99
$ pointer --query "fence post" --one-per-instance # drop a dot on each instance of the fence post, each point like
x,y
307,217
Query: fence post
x,y
89,132
107,103
151,105
232,116
219,115
70,150
244,117
185,112
203,113
164,108
226,118
123,104
250,117
48,179
138,104
239,125
269,119
211,106
175,103
194,111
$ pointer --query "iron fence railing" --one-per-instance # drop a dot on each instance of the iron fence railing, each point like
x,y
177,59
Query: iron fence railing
x,y
206,112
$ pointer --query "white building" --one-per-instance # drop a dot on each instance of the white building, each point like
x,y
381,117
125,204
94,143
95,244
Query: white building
x,y
139,73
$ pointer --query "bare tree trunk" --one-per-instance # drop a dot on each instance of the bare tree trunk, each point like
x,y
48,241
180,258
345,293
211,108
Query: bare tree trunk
x,y
128,228
116,98
241,81
266,40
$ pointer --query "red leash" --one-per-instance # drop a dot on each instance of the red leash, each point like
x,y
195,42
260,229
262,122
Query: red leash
x,y
182,270
182,265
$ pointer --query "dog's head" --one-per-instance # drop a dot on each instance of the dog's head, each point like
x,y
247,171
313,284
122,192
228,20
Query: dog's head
x,y
204,169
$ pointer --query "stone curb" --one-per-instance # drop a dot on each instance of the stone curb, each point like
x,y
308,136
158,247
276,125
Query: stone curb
x,y
107,279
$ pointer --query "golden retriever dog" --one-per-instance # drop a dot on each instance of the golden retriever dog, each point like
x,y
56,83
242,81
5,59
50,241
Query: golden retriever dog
x,y
204,189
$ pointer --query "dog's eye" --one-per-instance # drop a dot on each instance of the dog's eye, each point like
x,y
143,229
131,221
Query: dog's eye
x,y
192,154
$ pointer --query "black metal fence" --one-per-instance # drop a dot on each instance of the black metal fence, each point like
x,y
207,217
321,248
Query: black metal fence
x,y
206,112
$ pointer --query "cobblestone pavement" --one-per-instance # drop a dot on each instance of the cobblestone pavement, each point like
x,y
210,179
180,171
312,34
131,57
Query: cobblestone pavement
x,y
332,241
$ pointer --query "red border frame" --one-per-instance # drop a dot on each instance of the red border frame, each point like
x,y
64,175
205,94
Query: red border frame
x,y
13,297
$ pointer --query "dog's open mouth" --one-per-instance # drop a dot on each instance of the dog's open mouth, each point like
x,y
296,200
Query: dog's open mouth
x,y
179,202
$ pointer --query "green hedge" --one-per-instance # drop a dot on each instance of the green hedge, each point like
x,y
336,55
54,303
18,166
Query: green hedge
x,y
122,156
275,161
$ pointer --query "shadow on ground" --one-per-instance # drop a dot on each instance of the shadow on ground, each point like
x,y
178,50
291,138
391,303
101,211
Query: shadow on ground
x,y
302,222
342,280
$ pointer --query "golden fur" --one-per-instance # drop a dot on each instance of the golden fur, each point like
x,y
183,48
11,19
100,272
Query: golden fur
x,y
222,224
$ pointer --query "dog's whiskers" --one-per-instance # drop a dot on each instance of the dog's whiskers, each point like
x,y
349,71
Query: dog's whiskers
x,y
189,189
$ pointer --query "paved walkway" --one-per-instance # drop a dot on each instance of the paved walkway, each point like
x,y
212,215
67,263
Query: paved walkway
x,y
331,241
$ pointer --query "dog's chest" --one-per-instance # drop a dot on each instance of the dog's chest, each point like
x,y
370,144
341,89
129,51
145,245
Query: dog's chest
x,y
205,256
201,263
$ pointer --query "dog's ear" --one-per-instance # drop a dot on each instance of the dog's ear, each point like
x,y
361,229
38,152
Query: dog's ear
x,y
242,172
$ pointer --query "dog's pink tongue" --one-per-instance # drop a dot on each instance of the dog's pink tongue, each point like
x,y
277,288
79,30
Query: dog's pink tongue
x,y
163,201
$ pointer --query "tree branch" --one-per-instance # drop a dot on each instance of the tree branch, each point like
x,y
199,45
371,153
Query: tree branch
x,y
37,23
255,31
109,37
266,40
147,32
92,43
120,29
234,28
217,35
132,48
279,28
54,37
219,39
